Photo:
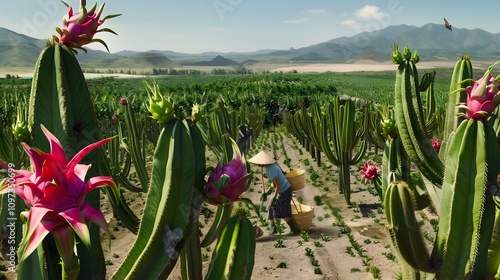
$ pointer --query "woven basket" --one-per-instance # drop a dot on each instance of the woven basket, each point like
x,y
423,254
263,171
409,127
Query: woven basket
x,y
296,178
302,216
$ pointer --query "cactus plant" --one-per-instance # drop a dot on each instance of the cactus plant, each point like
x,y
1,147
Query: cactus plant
x,y
464,190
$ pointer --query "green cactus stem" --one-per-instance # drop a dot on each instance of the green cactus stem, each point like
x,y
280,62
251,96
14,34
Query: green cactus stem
x,y
493,267
339,127
468,210
411,123
60,100
403,226
462,73
166,225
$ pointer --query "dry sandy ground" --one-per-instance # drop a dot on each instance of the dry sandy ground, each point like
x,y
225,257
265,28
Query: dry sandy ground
x,y
365,65
333,260
332,257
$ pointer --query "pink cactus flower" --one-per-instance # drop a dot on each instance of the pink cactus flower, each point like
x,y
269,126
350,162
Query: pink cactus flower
x,y
123,101
436,144
114,118
482,97
369,171
228,181
55,195
79,29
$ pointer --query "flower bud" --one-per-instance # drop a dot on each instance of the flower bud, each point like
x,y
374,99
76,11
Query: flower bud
x,y
196,113
436,144
396,57
123,101
406,53
483,97
20,128
389,127
416,57
228,181
161,109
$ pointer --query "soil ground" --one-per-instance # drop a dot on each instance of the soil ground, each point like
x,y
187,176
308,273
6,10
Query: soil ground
x,y
332,245
328,241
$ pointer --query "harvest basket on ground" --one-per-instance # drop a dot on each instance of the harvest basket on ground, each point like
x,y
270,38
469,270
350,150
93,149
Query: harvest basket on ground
x,y
302,215
296,178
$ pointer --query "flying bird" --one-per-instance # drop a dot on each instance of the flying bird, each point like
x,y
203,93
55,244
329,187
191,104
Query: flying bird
x,y
447,25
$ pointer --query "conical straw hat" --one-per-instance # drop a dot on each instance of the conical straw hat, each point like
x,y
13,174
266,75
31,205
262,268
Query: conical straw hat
x,y
262,158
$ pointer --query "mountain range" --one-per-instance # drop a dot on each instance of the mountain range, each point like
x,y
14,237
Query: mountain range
x,y
433,42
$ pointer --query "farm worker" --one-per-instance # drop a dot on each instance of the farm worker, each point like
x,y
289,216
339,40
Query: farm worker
x,y
279,206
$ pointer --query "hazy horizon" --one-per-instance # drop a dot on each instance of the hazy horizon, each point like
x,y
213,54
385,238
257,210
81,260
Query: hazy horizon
x,y
195,26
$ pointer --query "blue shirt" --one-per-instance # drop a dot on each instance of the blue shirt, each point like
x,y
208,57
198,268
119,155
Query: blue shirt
x,y
273,171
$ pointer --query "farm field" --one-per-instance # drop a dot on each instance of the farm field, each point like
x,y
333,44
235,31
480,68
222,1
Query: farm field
x,y
345,241
345,244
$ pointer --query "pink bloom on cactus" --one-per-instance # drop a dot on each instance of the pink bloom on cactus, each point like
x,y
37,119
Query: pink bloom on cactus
x,y
55,194
369,171
79,29
114,118
301,105
482,97
123,101
436,144
228,180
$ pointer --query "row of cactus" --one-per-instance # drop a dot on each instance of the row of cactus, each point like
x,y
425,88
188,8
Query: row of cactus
x,y
462,187
335,132
223,121
58,238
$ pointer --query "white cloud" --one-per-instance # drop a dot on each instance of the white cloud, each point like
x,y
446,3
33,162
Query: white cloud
x,y
350,23
297,21
315,11
369,12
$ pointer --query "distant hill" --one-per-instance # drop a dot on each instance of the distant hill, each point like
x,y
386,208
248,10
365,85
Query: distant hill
x,y
217,61
17,50
139,60
433,41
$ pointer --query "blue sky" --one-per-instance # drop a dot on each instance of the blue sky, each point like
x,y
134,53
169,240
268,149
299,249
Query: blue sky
x,y
195,26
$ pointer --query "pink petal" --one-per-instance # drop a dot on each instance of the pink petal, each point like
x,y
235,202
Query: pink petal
x,y
237,188
83,152
94,215
36,215
35,157
30,194
35,239
97,182
75,219
56,150
81,171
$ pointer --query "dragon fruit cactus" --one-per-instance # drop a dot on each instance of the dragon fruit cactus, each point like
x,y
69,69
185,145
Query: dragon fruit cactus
x,y
462,184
